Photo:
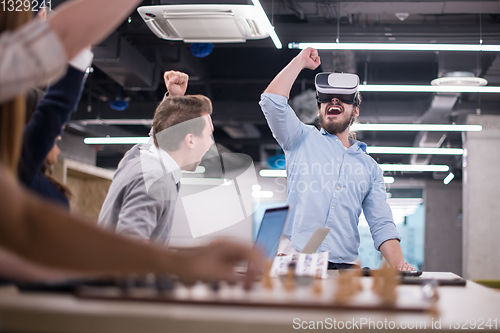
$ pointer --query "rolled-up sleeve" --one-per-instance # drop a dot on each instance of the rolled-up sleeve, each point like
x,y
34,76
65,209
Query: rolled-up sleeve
x,y
282,120
30,56
377,211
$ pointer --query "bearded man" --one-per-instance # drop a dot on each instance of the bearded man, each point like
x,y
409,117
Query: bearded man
x,y
330,177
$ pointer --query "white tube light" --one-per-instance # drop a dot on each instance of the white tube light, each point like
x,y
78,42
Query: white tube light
x,y
397,47
263,194
272,33
272,173
116,141
448,178
206,181
199,170
427,88
385,167
417,127
414,168
414,150
389,180
256,188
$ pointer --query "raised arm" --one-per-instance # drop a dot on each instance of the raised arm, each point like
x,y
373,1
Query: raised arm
x,y
176,83
286,126
37,52
85,22
46,123
283,82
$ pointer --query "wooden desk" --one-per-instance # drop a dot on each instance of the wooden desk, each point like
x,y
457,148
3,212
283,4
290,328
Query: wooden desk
x,y
41,312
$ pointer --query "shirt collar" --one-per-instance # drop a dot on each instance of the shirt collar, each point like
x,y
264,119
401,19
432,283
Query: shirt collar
x,y
358,145
170,165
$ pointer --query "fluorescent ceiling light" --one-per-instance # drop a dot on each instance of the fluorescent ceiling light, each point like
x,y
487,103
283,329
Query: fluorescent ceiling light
x,y
116,141
448,178
272,173
405,201
199,170
417,127
415,150
397,47
389,180
256,188
427,88
272,33
262,194
385,167
206,181
414,168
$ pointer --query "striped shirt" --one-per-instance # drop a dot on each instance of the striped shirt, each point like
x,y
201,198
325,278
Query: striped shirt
x,y
29,56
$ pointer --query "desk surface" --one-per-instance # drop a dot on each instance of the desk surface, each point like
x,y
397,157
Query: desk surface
x,y
464,307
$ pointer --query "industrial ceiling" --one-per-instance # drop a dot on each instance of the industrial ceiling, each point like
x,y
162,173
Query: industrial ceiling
x,y
235,74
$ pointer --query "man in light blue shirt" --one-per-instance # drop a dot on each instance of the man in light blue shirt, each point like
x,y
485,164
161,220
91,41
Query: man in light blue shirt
x,y
331,179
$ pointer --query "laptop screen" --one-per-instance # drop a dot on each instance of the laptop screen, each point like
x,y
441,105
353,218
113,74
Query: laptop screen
x,y
270,231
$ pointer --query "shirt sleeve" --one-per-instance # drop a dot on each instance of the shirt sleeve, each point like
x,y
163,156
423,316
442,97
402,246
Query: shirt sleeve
x,y
52,113
377,211
30,56
139,213
286,126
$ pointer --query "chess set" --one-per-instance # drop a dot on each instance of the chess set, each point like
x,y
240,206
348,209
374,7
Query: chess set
x,y
349,290
295,281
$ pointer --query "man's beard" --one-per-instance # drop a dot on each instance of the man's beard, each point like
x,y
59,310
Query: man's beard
x,y
335,128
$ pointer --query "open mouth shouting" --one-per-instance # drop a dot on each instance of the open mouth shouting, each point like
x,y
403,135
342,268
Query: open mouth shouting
x,y
334,110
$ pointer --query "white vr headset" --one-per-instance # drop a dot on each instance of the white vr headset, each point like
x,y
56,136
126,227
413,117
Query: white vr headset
x,y
337,85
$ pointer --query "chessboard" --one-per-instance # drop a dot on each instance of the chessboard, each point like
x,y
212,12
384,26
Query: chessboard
x,y
347,291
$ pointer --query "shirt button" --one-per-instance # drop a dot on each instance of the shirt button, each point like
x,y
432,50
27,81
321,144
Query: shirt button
x,y
333,207
338,187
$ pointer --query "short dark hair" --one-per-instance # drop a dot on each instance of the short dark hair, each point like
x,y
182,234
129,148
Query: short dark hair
x,y
182,115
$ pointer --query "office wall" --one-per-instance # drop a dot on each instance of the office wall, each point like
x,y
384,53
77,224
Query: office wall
x,y
481,185
443,227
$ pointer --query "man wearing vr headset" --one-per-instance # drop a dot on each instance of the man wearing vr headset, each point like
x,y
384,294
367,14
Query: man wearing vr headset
x,y
331,179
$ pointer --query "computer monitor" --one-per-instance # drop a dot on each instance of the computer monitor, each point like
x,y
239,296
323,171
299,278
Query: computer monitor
x,y
270,231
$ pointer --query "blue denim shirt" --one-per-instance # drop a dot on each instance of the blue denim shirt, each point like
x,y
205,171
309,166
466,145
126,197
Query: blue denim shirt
x,y
328,185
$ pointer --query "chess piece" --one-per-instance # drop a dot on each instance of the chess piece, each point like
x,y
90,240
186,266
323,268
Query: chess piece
x,y
289,284
356,280
348,285
214,286
267,281
318,284
164,283
344,288
389,279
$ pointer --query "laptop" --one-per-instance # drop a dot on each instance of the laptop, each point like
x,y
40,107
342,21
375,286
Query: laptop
x,y
270,231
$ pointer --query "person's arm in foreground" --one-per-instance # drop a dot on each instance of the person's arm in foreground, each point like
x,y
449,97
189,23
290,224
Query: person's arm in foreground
x,y
391,250
87,22
43,233
37,52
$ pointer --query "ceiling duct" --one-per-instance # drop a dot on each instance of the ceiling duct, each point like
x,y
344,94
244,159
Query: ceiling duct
x,y
122,62
440,109
198,23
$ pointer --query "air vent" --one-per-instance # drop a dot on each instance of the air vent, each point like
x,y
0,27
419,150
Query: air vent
x,y
205,23
253,27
